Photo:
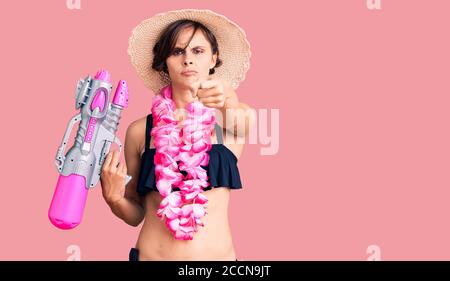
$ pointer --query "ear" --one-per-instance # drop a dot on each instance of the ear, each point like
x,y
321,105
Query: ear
x,y
213,61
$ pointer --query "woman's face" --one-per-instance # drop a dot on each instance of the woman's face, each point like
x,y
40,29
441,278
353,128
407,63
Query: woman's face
x,y
196,58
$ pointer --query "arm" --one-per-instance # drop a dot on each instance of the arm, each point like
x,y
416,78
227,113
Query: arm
x,y
238,117
124,202
127,210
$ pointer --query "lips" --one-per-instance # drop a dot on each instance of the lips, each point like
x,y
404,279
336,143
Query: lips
x,y
189,72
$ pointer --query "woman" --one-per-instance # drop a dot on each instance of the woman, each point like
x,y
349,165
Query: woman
x,y
183,163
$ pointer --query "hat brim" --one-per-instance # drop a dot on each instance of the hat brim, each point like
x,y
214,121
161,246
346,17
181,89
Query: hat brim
x,y
234,49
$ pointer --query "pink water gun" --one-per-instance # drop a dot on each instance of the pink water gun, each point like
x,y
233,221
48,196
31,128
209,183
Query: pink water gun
x,y
80,168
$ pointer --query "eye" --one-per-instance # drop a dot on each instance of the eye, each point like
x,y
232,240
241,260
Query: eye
x,y
177,52
198,51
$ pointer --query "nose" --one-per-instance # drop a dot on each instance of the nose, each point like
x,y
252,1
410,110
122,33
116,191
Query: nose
x,y
188,59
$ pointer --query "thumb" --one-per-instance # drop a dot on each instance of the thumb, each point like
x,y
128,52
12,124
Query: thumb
x,y
210,83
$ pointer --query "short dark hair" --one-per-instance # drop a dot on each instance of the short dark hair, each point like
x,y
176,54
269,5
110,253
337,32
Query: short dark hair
x,y
165,46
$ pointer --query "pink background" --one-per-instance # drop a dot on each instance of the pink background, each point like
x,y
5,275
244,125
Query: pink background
x,y
364,140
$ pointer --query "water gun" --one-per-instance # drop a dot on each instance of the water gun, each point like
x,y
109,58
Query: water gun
x,y
80,169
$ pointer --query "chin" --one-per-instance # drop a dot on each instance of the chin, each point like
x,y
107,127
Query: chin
x,y
187,81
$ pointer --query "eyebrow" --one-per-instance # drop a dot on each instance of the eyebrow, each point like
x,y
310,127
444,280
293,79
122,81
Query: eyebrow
x,y
178,46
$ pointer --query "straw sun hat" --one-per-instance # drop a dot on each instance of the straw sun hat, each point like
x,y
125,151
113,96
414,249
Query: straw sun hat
x,y
234,49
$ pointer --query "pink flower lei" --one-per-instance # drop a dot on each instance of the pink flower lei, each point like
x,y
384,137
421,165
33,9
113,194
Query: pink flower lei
x,y
179,149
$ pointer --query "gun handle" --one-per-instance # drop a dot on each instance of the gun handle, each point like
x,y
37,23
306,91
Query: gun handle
x,y
119,143
60,158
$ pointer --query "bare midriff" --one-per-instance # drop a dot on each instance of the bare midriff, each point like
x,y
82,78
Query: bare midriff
x,y
211,242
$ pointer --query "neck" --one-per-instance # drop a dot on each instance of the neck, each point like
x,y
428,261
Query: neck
x,y
182,96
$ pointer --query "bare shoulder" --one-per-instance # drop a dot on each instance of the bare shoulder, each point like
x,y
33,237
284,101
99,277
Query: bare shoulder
x,y
136,134
134,141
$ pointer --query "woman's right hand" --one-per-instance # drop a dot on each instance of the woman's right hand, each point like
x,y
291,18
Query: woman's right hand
x,y
113,178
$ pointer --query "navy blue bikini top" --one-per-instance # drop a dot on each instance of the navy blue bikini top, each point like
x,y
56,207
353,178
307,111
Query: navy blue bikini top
x,y
222,168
